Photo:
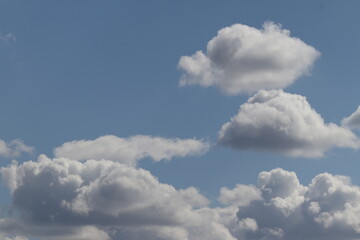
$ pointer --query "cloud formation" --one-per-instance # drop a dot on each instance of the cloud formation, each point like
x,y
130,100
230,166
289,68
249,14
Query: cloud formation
x,y
243,59
66,199
328,208
284,123
106,200
241,195
130,150
50,231
14,148
353,121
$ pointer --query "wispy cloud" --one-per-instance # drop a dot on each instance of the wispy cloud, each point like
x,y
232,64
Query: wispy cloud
x,y
7,38
14,148
352,121
130,150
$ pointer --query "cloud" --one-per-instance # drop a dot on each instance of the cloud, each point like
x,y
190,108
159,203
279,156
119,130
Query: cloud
x,y
66,199
4,237
130,150
353,121
7,38
50,231
243,59
328,208
284,123
58,199
241,195
14,148
111,190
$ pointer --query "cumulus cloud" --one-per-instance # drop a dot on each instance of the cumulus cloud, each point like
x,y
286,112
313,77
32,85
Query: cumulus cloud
x,y
66,199
353,121
241,195
58,199
243,59
14,148
130,150
328,208
285,123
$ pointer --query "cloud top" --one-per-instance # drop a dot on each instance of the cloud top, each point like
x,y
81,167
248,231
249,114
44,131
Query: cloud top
x,y
130,150
285,123
243,59
328,208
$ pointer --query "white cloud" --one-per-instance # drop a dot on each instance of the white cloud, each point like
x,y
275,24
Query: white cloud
x,y
285,123
328,208
60,198
14,148
282,189
241,195
50,231
353,121
243,59
130,150
248,224
153,233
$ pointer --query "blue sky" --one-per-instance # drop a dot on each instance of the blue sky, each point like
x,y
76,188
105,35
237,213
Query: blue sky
x,y
75,70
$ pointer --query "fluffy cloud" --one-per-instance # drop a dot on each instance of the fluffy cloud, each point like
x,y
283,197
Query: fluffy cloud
x,y
58,199
241,195
109,190
353,121
50,231
14,148
66,199
130,150
282,122
242,59
328,208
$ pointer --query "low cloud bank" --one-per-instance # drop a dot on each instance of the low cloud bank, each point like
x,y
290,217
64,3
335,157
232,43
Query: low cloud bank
x,y
61,199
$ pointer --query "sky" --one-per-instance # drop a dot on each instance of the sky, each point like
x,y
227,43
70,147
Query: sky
x,y
179,120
